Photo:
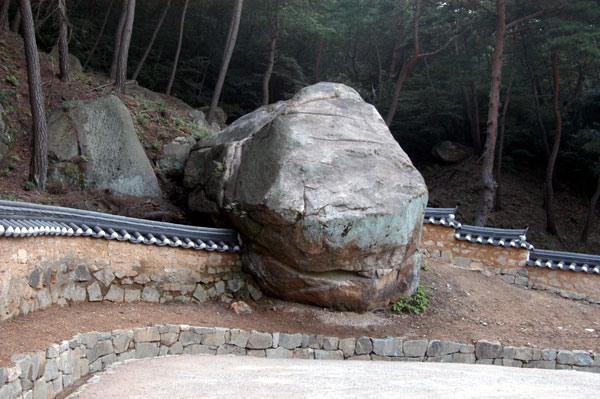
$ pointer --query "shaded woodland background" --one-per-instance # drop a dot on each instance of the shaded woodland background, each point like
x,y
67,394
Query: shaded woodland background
x,y
428,67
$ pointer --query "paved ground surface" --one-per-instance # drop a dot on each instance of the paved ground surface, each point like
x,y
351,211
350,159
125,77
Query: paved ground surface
x,y
205,376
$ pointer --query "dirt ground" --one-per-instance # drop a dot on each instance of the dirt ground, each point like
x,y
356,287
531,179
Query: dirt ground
x,y
466,306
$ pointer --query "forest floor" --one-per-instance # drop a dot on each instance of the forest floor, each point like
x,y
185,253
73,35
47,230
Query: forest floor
x,y
465,306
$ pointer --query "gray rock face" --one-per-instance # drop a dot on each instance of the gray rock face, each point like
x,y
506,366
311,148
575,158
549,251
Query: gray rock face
x,y
103,135
74,63
175,154
203,125
329,206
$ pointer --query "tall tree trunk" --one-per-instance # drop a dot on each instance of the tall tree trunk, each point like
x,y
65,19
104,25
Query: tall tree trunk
x,y
318,62
63,42
39,158
468,113
118,40
501,141
396,51
272,48
16,22
489,184
590,217
176,61
406,67
536,103
85,64
121,73
152,39
228,52
550,218
379,70
476,133
4,15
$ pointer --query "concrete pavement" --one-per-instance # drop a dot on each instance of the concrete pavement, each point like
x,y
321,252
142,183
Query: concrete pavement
x,y
205,376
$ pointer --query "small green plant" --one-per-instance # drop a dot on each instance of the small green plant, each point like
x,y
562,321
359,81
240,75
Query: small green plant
x,y
234,207
425,266
201,134
218,171
5,172
574,219
84,158
12,80
29,186
415,304
157,145
15,158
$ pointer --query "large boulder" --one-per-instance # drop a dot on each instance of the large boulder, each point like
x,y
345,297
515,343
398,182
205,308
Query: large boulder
x,y
328,205
74,63
99,136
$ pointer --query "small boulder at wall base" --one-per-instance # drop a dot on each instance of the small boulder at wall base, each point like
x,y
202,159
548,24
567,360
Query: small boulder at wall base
x,y
328,206
451,152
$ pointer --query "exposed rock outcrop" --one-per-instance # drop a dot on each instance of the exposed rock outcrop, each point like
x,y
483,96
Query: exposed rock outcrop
x,y
101,138
328,205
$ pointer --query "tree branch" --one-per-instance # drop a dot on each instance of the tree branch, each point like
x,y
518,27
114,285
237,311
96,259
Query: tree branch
x,y
438,50
534,15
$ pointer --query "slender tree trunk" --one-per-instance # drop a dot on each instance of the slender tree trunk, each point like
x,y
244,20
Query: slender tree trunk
x,y
39,159
536,103
379,69
427,73
4,15
590,217
476,132
550,219
271,63
407,67
489,184
501,141
121,73
152,39
85,64
468,113
118,40
16,22
318,62
229,46
396,51
63,42
176,61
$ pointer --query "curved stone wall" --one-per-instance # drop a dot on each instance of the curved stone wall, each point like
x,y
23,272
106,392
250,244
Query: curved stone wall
x,y
38,272
47,373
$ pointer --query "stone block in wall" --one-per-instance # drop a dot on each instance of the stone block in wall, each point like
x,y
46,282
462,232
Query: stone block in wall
x,y
52,371
146,334
239,337
279,353
81,273
363,346
347,346
146,350
315,341
121,340
387,346
190,338
541,364
330,343
289,341
115,294
415,348
228,349
488,349
105,276
94,292
199,350
256,352
321,354
216,338
175,349
304,353
439,359
440,348
259,340
150,294
100,349
468,358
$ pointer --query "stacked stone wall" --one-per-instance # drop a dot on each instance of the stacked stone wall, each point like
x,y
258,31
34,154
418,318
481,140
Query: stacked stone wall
x,y
47,373
508,263
36,273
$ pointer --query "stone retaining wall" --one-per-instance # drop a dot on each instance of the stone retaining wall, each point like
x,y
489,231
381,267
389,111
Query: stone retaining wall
x,y
509,263
36,273
45,374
